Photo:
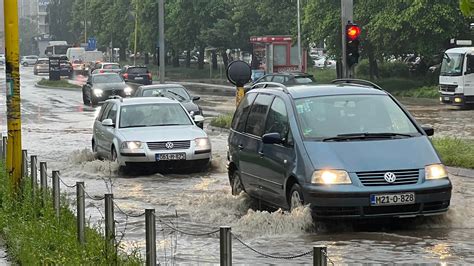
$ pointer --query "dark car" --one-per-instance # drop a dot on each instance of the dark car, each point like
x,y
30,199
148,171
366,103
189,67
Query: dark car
x,y
286,78
136,74
100,87
66,69
348,150
174,91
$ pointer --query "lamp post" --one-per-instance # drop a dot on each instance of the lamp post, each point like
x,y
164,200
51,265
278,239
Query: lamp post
x,y
300,62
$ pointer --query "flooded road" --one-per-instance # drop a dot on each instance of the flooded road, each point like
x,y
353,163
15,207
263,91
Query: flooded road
x,y
58,128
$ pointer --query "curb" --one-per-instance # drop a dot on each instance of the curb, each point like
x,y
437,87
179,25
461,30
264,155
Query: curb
x,y
55,88
217,129
461,171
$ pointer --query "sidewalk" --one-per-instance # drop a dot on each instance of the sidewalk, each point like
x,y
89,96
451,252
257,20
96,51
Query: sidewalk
x,y
3,254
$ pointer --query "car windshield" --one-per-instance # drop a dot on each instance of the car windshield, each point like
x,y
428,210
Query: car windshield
x,y
177,93
137,70
304,80
452,65
332,116
42,62
111,66
150,115
107,79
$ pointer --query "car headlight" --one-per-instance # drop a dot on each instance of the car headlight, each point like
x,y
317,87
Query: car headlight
x,y
202,144
128,91
330,177
98,92
435,171
132,145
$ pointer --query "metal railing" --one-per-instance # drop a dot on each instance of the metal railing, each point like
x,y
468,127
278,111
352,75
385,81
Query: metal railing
x,y
319,253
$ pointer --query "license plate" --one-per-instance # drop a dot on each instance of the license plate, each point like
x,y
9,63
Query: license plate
x,y
446,98
138,78
170,156
392,199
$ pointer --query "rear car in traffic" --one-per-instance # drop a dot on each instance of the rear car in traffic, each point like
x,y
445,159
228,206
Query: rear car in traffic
x,y
348,150
28,60
41,66
136,74
99,87
151,132
102,67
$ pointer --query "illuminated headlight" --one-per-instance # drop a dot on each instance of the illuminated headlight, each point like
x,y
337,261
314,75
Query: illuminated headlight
x,y
202,144
440,99
457,100
132,145
128,91
98,92
435,171
330,177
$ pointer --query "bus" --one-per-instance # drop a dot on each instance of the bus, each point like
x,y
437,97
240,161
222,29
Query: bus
x,y
57,48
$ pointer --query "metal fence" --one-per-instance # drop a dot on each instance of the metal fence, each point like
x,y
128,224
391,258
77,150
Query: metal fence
x,y
30,170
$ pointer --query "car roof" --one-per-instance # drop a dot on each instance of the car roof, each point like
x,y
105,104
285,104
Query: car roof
x,y
143,100
311,90
460,50
163,86
43,58
104,74
295,74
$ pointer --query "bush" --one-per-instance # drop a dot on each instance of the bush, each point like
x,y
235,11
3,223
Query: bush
x,y
222,121
57,83
455,152
422,92
393,69
363,69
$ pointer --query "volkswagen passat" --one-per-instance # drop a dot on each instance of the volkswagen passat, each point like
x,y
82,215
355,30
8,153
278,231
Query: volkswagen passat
x,y
347,149
153,131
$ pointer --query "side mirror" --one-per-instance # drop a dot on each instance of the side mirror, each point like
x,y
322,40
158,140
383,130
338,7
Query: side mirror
x,y
196,98
198,119
108,122
428,130
272,138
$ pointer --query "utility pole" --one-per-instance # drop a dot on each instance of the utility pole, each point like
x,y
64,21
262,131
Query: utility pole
x,y
85,21
347,14
161,41
12,71
300,62
136,31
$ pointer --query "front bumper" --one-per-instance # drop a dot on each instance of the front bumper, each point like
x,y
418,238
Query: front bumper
x,y
431,198
149,156
456,99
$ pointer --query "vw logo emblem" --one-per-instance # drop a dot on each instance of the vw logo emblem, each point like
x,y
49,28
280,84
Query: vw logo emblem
x,y
169,145
390,177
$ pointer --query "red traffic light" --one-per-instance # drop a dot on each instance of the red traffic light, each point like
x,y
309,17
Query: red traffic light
x,y
352,32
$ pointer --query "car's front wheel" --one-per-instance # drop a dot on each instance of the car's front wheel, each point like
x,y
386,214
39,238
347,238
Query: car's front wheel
x,y
296,197
237,186
25,64
85,97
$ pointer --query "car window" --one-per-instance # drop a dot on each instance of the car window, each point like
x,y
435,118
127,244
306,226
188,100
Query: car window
x,y
267,78
111,66
177,93
137,70
278,79
112,113
103,112
303,80
277,119
149,115
240,115
255,125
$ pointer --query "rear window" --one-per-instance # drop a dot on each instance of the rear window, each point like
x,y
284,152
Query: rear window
x,y
304,80
137,70
42,62
111,66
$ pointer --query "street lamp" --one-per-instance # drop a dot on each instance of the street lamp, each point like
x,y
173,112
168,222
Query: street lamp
x,y
300,62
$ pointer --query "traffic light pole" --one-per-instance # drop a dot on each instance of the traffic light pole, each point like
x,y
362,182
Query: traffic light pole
x,y
12,73
347,14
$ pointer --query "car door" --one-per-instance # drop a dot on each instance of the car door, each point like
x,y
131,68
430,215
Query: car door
x,y
109,132
250,160
277,159
99,130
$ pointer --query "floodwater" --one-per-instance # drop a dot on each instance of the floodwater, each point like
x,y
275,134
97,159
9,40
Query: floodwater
x,y
57,128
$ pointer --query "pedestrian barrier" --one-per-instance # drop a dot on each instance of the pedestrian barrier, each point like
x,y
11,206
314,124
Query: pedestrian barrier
x,y
319,253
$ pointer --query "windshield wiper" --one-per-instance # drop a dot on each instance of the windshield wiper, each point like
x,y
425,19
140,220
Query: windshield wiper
x,y
170,124
174,93
351,136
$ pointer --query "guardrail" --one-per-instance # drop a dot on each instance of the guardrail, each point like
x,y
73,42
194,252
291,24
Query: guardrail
x,y
319,253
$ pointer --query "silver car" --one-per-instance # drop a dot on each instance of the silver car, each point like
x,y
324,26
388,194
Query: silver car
x,y
29,60
153,131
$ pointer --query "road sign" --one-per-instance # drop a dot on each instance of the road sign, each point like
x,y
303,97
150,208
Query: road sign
x,y
91,44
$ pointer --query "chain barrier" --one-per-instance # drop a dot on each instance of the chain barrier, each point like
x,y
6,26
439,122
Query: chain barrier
x,y
92,198
128,214
184,232
269,255
64,183
327,257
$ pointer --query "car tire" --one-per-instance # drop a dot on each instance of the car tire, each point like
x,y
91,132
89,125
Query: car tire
x,y
25,64
121,168
85,98
94,150
237,185
295,198
35,73
93,100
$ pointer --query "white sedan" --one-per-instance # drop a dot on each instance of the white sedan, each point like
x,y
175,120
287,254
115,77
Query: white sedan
x,y
150,132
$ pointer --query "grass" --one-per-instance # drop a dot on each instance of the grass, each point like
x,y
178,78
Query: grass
x,y
222,121
455,152
34,235
57,83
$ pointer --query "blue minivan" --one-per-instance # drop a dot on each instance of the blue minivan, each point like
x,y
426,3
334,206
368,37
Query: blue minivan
x,y
348,149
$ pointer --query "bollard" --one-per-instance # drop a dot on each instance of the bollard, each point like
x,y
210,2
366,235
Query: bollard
x,y
34,173
56,194
4,147
150,231
225,245
44,181
81,212
24,163
319,257
109,223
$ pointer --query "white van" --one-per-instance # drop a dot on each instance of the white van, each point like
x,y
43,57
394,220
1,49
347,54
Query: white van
x,y
75,53
456,79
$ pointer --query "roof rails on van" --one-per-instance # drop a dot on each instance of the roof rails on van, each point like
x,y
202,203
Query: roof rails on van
x,y
116,97
273,84
357,81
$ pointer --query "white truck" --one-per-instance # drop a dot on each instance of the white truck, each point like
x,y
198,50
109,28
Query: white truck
x,y
456,79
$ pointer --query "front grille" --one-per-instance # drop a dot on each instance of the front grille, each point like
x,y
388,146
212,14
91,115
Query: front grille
x,y
376,178
374,210
108,93
182,144
448,88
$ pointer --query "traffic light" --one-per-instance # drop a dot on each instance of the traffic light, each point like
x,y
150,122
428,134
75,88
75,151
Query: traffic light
x,y
352,44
